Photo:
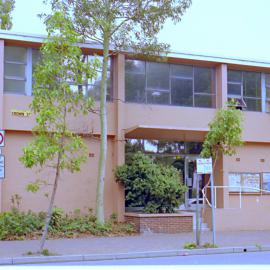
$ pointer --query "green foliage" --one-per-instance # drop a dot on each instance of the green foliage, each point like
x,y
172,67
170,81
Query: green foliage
x,y
57,216
119,25
155,187
54,100
45,252
15,225
209,245
128,24
190,245
225,133
6,7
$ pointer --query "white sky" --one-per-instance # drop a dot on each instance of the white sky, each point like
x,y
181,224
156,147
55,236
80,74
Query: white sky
x,y
229,28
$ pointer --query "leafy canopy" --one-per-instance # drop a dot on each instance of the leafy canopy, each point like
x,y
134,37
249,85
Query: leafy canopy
x,y
225,133
54,101
155,187
6,7
132,24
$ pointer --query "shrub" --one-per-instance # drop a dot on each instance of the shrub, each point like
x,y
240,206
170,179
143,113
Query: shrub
x,y
190,245
17,224
155,187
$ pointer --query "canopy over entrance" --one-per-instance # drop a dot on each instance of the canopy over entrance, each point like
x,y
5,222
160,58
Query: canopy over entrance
x,y
166,133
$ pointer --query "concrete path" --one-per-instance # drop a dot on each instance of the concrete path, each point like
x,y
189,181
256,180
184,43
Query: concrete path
x,y
140,243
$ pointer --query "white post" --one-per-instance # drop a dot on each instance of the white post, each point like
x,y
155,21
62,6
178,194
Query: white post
x,y
240,197
215,197
213,209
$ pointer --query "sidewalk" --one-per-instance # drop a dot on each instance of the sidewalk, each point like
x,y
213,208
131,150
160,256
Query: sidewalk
x,y
141,243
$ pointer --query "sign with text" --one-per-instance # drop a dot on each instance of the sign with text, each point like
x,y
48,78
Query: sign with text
x,y
2,138
204,165
2,167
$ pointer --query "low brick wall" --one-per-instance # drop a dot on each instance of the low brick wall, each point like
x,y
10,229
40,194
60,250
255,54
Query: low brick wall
x,y
161,223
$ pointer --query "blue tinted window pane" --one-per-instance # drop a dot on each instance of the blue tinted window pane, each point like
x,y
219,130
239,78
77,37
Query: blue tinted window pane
x,y
157,75
181,91
203,80
252,84
135,87
182,71
235,76
158,97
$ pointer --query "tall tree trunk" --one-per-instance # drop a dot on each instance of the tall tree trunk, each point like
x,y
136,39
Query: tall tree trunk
x,y
49,212
103,140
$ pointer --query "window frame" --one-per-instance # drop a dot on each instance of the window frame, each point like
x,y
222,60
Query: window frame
x,y
261,192
242,97
177,77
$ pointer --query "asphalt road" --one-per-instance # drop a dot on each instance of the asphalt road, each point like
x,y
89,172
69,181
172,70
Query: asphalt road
x,y
259,258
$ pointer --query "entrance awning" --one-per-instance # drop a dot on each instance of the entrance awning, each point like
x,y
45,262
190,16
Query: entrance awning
x,y
165,133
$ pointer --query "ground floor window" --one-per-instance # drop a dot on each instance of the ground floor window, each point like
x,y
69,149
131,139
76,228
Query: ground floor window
x,y
249,182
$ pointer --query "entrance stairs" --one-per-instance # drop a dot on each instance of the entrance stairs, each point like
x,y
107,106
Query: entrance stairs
x,y
192,209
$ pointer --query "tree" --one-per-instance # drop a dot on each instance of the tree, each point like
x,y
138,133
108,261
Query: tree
x,y
120,25
225,134
6,7
54,145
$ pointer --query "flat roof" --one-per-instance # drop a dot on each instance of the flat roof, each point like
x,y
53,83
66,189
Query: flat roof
x,y
34,38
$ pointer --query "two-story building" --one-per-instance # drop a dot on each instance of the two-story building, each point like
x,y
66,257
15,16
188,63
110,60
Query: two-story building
x,y
162,109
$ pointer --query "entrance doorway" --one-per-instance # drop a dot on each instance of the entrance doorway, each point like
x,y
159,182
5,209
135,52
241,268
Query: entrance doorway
x,y
181,155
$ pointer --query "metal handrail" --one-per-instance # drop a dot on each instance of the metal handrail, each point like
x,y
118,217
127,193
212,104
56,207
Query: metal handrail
x,y
259,190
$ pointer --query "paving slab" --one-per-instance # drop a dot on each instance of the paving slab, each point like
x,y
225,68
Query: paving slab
x,y
143,245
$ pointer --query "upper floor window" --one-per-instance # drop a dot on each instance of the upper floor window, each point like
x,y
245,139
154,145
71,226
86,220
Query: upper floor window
x,y
245,86
19,64
169,84
267,92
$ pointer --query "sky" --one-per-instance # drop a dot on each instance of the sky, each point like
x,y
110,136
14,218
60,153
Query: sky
x,y
226,28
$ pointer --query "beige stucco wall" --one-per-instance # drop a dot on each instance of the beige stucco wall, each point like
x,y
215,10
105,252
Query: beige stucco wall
x,y
75,190
252,214
78,190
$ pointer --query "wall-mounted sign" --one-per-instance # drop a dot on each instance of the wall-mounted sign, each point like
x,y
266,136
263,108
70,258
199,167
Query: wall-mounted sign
x,y
2,167
21,113
246,182
2,138
204,165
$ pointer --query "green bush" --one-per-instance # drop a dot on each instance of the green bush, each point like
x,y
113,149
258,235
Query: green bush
x,y
17,224
20,225
155,187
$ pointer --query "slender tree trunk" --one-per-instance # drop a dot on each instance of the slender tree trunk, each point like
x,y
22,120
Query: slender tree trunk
x,y
103,141
198,220
49,212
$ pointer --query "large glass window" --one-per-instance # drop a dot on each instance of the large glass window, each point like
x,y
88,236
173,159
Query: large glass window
x,y
169,84
19,65
267,90
246,87
15,66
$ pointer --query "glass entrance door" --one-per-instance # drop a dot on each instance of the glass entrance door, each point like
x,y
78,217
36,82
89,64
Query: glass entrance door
x,y
190,180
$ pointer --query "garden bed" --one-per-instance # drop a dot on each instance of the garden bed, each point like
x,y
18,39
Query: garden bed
x,y
161,223
16,225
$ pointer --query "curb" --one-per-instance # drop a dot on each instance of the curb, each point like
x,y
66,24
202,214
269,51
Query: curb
x,y
130,255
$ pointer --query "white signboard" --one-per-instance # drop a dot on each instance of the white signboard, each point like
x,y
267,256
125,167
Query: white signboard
x,y
2,138
204,165
2,167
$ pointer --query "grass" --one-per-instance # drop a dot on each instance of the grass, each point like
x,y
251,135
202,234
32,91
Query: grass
x,y
192,245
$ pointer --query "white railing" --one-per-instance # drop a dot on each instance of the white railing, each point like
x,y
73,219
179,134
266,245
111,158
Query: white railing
x,y
258,191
